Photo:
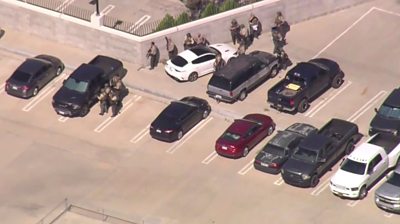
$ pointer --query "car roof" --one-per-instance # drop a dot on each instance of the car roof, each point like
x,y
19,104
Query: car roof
x,y
194,53
393,99
237,66
106,63
315,142
241,126
305,69
86,72
32,65
177,108
364,152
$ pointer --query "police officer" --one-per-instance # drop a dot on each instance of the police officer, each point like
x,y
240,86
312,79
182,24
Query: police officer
x,y
152,53
255,26
219,62
171,48
189,42
277,40
104,99
282,25
202,41
235,31
115,102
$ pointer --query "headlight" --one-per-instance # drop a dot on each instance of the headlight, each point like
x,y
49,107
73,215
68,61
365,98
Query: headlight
x,y
168,131
396,205
75,107
394,132
354,188
305,176
377,199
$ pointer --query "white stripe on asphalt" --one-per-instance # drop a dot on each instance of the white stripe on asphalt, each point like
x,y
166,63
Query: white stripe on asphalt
x,y
210,158
321,187
64,5
366,106
192,132
279,181
316,109
2,87
246,168
107,9
63,119
110,120
388,215
139,23
140,135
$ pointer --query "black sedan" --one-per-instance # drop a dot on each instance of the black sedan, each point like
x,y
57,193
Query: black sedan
x,y
277,151
32,75
178,118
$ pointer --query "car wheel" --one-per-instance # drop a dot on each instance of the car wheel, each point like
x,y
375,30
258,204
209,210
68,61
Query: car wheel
x,y
180,135
243,95
58,72
84,111
270,130
193,76
274,72
303,106
363,192
206,113
337,81
314,180
245,151
35,91
349,147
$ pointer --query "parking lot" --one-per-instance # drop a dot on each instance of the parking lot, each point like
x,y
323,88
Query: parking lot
x,y
114,165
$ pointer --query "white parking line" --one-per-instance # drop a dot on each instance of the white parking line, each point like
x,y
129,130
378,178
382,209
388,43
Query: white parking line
x,y
210,158
110,120
388,215
63,119
344,32
386,11
42,94
194,130
279,181
2,87
315,110
246,168
107,9
366,106
64,5
139,23
321,187
140,135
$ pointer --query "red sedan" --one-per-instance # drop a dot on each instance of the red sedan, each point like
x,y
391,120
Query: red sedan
x,y
243,134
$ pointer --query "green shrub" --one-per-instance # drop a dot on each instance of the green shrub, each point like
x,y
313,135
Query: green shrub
x,y
182,18
211,9
167,22
228,5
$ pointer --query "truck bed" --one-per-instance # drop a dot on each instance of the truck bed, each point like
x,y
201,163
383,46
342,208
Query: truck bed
x,y
386,141
338,129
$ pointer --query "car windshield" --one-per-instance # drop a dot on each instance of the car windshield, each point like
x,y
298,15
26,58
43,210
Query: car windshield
x,y
76,85
179,61
353,166
389,112
230,136
274,149
394,179
21,76
220,82
305,155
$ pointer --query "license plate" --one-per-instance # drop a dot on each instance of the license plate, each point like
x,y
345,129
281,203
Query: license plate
x,y
264,164
158,131
224,147
14,87
218,96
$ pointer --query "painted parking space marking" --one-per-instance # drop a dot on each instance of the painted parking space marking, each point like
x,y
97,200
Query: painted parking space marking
x,y
110,120
63,119
64,5
367,106
246,168
140,135
188,135
321,187
107,9
386,11
210,158
139,23
355,202
324,102
42,94
388,215
2,87
279,181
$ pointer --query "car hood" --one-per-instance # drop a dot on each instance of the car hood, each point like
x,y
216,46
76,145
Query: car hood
x,y
298,166
68,96
384,124
389,190
347,179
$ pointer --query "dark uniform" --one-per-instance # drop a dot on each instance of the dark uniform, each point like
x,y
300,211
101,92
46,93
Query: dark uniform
x,y
189,42
219,63
115,102
278,41
202,41
282,25
235,31
104,100
255,26
171,48
152,53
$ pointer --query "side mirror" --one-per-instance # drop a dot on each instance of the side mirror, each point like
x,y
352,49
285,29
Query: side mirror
x,y
64,81
376,110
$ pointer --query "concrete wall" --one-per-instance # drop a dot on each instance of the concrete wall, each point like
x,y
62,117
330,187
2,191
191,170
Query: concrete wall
x,y
103,40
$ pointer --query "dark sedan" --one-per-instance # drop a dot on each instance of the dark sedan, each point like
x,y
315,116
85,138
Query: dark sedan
x,y
32,75
243,134
178,118
277,151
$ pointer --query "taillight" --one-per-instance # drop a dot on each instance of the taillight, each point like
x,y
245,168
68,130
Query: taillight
x,y
231,93
257,161
232,148
25,88
274,165
291,102
7,85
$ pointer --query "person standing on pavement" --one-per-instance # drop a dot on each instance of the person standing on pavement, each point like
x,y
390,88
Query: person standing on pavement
x,y
103,99
115,102
171,48
2,32
189,42
235,31
282,25
152,54
202,41
255,26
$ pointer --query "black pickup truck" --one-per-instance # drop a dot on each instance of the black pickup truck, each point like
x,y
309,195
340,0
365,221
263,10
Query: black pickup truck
x,y
304,83
319,151
79,92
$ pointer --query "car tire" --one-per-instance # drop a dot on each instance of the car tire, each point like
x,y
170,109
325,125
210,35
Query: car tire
x,y
35,91
59,71
270,130
243,95
337,81
274,72
180,134
349,147
84,111
303,106
245,151
314,180
363,192
193,76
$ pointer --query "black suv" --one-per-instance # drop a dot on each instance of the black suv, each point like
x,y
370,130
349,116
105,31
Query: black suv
x,y
79,92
